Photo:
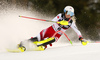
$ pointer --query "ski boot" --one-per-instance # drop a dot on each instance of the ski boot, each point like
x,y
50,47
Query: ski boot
x,y
35,41
21,48
42,45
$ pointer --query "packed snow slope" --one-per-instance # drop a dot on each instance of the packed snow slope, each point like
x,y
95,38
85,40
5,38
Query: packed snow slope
x,y
61,52
14,29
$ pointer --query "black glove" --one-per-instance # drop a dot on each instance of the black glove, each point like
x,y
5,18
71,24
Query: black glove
x,y
80,38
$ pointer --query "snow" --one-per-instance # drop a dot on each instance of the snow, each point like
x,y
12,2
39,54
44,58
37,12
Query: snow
x,y
58,52
14,29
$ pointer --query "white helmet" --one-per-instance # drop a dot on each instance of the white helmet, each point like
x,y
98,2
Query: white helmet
x,y
70,10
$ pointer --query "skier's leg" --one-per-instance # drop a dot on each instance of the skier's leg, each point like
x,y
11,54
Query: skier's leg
x,y
29,45
46,42
24,45
47,33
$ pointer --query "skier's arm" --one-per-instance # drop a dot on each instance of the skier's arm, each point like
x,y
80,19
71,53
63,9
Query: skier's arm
x,y
57,17
73,26
83,41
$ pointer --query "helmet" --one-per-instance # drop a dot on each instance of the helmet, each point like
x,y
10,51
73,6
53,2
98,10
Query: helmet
x,y
69,10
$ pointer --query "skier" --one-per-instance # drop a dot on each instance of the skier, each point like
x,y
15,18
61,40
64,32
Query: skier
x,y
63,22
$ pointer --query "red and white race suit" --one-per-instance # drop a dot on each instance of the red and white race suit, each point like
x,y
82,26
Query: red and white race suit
x,y
50,31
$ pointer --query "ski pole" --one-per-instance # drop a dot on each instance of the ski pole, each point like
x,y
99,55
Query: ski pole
x,y
36,19
64,34
47,21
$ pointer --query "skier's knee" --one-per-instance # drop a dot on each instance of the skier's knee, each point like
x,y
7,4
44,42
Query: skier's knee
x,y
33,39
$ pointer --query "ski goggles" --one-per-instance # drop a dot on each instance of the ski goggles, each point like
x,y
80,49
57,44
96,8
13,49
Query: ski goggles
x,y
70,13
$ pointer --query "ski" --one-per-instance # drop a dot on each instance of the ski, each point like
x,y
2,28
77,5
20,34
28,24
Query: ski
x,y
13,50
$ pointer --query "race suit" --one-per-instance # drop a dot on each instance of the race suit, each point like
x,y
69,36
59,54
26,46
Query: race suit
x,y
50,31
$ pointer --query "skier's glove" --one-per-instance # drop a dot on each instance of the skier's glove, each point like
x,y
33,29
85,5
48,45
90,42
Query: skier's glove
x,y
83,41
63,22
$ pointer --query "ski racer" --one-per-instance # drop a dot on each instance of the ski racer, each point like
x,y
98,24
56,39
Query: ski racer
x,y
63,22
